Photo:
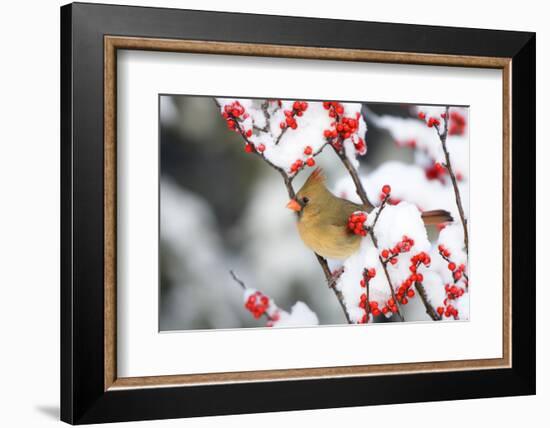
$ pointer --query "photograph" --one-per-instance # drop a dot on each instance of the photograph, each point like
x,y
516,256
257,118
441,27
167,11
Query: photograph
x,y
298,213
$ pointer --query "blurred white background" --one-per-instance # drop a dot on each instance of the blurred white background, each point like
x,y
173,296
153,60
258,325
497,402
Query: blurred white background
x,y
29,220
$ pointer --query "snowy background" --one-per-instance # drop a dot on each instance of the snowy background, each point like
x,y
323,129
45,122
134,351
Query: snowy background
x,y
223,208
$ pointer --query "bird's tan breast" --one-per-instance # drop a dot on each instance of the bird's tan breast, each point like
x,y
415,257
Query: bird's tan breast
x,y
327,240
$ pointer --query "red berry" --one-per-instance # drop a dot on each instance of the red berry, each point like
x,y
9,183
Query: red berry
x,y
282,125
440,310
310,162
249,133
421,115
410,293
248,148
457,275
385,254
386,189
451,266
308,150
261,148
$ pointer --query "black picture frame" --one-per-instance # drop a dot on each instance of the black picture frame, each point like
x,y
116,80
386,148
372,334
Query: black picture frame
x,y
83,398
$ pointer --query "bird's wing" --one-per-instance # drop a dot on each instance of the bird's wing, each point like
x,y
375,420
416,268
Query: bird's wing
x,y
340,217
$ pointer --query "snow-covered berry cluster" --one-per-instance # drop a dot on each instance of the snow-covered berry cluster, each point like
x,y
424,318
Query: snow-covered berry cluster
x,y
343,127
405,290
372,306
356,223
298,109
458,272
453,291
389,255
235,115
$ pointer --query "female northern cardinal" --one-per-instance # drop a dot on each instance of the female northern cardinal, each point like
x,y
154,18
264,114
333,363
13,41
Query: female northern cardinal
x,y
323,219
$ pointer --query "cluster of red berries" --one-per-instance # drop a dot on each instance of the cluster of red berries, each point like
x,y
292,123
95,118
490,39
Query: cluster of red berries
x,y
235,109
403,246
257,303
453,291
334,108
436,171
448,311
298,109
432,121
343,128
356,223
405,290
233,113
299,163
374,306
457,124
457,271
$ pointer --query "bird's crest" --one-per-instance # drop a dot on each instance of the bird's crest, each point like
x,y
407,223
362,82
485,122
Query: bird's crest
x,y
317,176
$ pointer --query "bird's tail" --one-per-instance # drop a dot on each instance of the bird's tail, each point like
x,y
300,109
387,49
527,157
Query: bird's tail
x,y
436,216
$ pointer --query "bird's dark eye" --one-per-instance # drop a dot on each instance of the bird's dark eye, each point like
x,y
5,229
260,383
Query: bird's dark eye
x,y
305,200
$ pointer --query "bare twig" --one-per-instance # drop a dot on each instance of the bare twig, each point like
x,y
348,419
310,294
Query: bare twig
x,y
237,280
283,132
443,138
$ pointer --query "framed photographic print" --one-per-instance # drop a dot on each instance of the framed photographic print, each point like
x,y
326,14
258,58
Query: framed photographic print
x,y
264,213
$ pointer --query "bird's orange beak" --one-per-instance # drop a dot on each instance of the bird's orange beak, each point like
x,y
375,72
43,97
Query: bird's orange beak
x,y
294,205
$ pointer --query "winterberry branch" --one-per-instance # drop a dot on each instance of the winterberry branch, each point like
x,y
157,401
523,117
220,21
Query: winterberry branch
x,y
292,194
457,271
367,278
443,138
375,243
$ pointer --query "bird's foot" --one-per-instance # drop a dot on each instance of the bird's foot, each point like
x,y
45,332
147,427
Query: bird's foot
x,y
335,276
